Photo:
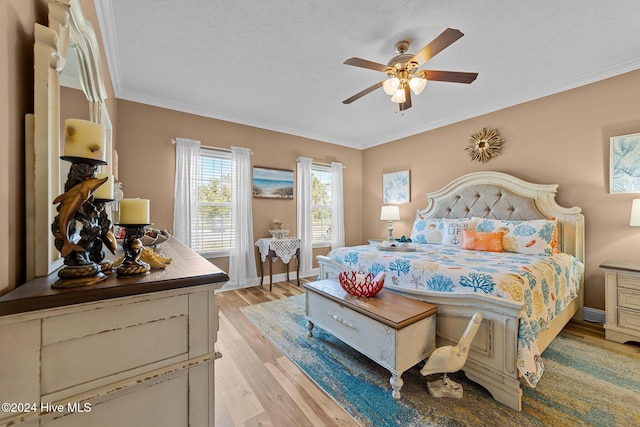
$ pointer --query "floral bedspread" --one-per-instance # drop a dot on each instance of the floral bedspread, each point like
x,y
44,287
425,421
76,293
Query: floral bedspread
x,y
545,284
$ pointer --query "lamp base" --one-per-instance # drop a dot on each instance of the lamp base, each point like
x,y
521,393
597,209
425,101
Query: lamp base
x,y
390,229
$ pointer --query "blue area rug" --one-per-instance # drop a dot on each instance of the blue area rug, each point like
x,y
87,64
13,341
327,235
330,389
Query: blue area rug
x,y
584,384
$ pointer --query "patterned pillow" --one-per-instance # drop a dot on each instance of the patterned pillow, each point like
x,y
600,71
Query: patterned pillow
x,y
453,230
482,241
427,231
533,237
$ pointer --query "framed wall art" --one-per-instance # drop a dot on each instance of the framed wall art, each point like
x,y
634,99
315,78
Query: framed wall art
x,y
269,183
624,171
396,187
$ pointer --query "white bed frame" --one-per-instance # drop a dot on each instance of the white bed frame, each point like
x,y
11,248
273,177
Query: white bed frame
x,y
492,359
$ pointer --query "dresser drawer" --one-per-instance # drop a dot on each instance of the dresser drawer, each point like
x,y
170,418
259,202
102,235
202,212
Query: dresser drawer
x,y
82,348
629,281
629,319
628,298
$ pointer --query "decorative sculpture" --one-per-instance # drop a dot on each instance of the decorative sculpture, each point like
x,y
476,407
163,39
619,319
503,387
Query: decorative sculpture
x,y
76,206
448,359
132,265
484,145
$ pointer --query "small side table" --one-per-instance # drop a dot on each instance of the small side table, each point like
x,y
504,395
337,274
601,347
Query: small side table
x,y
622,299
278,248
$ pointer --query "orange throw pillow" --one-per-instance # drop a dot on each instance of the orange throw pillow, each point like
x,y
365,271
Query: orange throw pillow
x,y
482,241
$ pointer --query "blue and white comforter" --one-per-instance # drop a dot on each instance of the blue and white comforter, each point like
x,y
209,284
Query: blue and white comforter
x,y
545,284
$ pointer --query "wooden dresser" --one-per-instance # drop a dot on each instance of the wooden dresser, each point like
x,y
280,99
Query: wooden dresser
x,y
128,351
622,294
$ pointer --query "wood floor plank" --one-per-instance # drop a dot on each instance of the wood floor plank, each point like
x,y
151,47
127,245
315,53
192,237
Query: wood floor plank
x,y
261,372
300,397
316,394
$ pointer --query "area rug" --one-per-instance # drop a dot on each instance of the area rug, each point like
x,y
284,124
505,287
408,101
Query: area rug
x,y
584,384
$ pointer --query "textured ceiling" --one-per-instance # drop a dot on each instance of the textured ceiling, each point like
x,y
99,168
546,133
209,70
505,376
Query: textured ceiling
x,y
279,64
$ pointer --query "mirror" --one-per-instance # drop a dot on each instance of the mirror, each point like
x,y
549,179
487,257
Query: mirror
x,y
67,39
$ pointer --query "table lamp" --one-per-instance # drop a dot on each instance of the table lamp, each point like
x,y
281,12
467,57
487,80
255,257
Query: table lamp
x,y
391,213
635,213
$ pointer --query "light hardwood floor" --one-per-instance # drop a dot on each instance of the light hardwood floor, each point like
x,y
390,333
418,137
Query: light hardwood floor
x,y
256,385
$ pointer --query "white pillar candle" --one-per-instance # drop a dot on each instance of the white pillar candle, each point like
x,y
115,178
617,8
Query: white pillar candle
x,y
84,139
134,211
105,191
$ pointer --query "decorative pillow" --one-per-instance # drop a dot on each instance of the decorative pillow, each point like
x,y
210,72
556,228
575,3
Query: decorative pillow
x,y
427,231
482,241
554,239
453,230
532,237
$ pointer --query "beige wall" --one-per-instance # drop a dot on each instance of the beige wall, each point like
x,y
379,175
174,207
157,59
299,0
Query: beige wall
x,y
16,99
147,164
561,139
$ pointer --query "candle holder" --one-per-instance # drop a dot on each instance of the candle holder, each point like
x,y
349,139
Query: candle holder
x,y
132,245
75,206
106,238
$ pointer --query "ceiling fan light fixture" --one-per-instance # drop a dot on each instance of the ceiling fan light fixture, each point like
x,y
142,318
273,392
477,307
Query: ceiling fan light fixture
x,y
390,86
399,97
417,84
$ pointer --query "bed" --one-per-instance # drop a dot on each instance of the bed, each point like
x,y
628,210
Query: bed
x,y
489,198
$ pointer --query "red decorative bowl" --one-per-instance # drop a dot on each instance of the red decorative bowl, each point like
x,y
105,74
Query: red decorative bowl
x,y
360,284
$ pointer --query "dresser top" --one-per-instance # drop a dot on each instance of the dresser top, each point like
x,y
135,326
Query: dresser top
x,y
186,269
621,265
387,307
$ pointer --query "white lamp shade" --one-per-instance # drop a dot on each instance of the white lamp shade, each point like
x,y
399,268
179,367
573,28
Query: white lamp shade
x,y
635,213
390,213
399,97
417,84
391,85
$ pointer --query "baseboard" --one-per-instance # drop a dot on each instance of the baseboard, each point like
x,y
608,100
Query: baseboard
x,y
594,315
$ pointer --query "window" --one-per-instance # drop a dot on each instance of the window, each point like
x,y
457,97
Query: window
x,y
212,230
320,205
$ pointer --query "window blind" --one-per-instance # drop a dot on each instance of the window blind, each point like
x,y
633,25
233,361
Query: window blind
x,y
212,229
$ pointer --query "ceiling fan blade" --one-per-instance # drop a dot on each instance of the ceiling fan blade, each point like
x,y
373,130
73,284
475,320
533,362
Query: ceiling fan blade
x,y
363,93
448,76
363,63
446,38
407,103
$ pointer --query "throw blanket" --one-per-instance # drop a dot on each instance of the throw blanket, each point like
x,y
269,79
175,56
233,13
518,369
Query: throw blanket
x,y
544,284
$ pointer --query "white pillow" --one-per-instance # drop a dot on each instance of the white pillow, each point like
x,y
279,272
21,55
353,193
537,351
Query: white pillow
x,y
428,230
453,230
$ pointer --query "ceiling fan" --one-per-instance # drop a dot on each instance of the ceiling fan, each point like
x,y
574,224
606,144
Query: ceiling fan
x,y
402,71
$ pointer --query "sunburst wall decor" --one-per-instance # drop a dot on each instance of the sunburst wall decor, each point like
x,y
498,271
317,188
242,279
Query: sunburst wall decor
x,y
484,145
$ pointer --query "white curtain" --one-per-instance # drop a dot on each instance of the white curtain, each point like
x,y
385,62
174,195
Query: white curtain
x,y
337,206
304,213
186,202
242,263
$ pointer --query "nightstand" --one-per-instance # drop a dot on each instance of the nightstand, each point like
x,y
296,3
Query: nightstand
x,y
622,296
376,242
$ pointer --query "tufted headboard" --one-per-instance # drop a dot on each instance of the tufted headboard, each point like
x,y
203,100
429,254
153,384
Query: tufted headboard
x,y
502,196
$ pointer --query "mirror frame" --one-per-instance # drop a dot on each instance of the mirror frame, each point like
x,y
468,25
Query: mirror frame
x,y
67,28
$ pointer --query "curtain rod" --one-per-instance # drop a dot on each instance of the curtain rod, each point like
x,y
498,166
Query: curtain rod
x,y
228,150
323,164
